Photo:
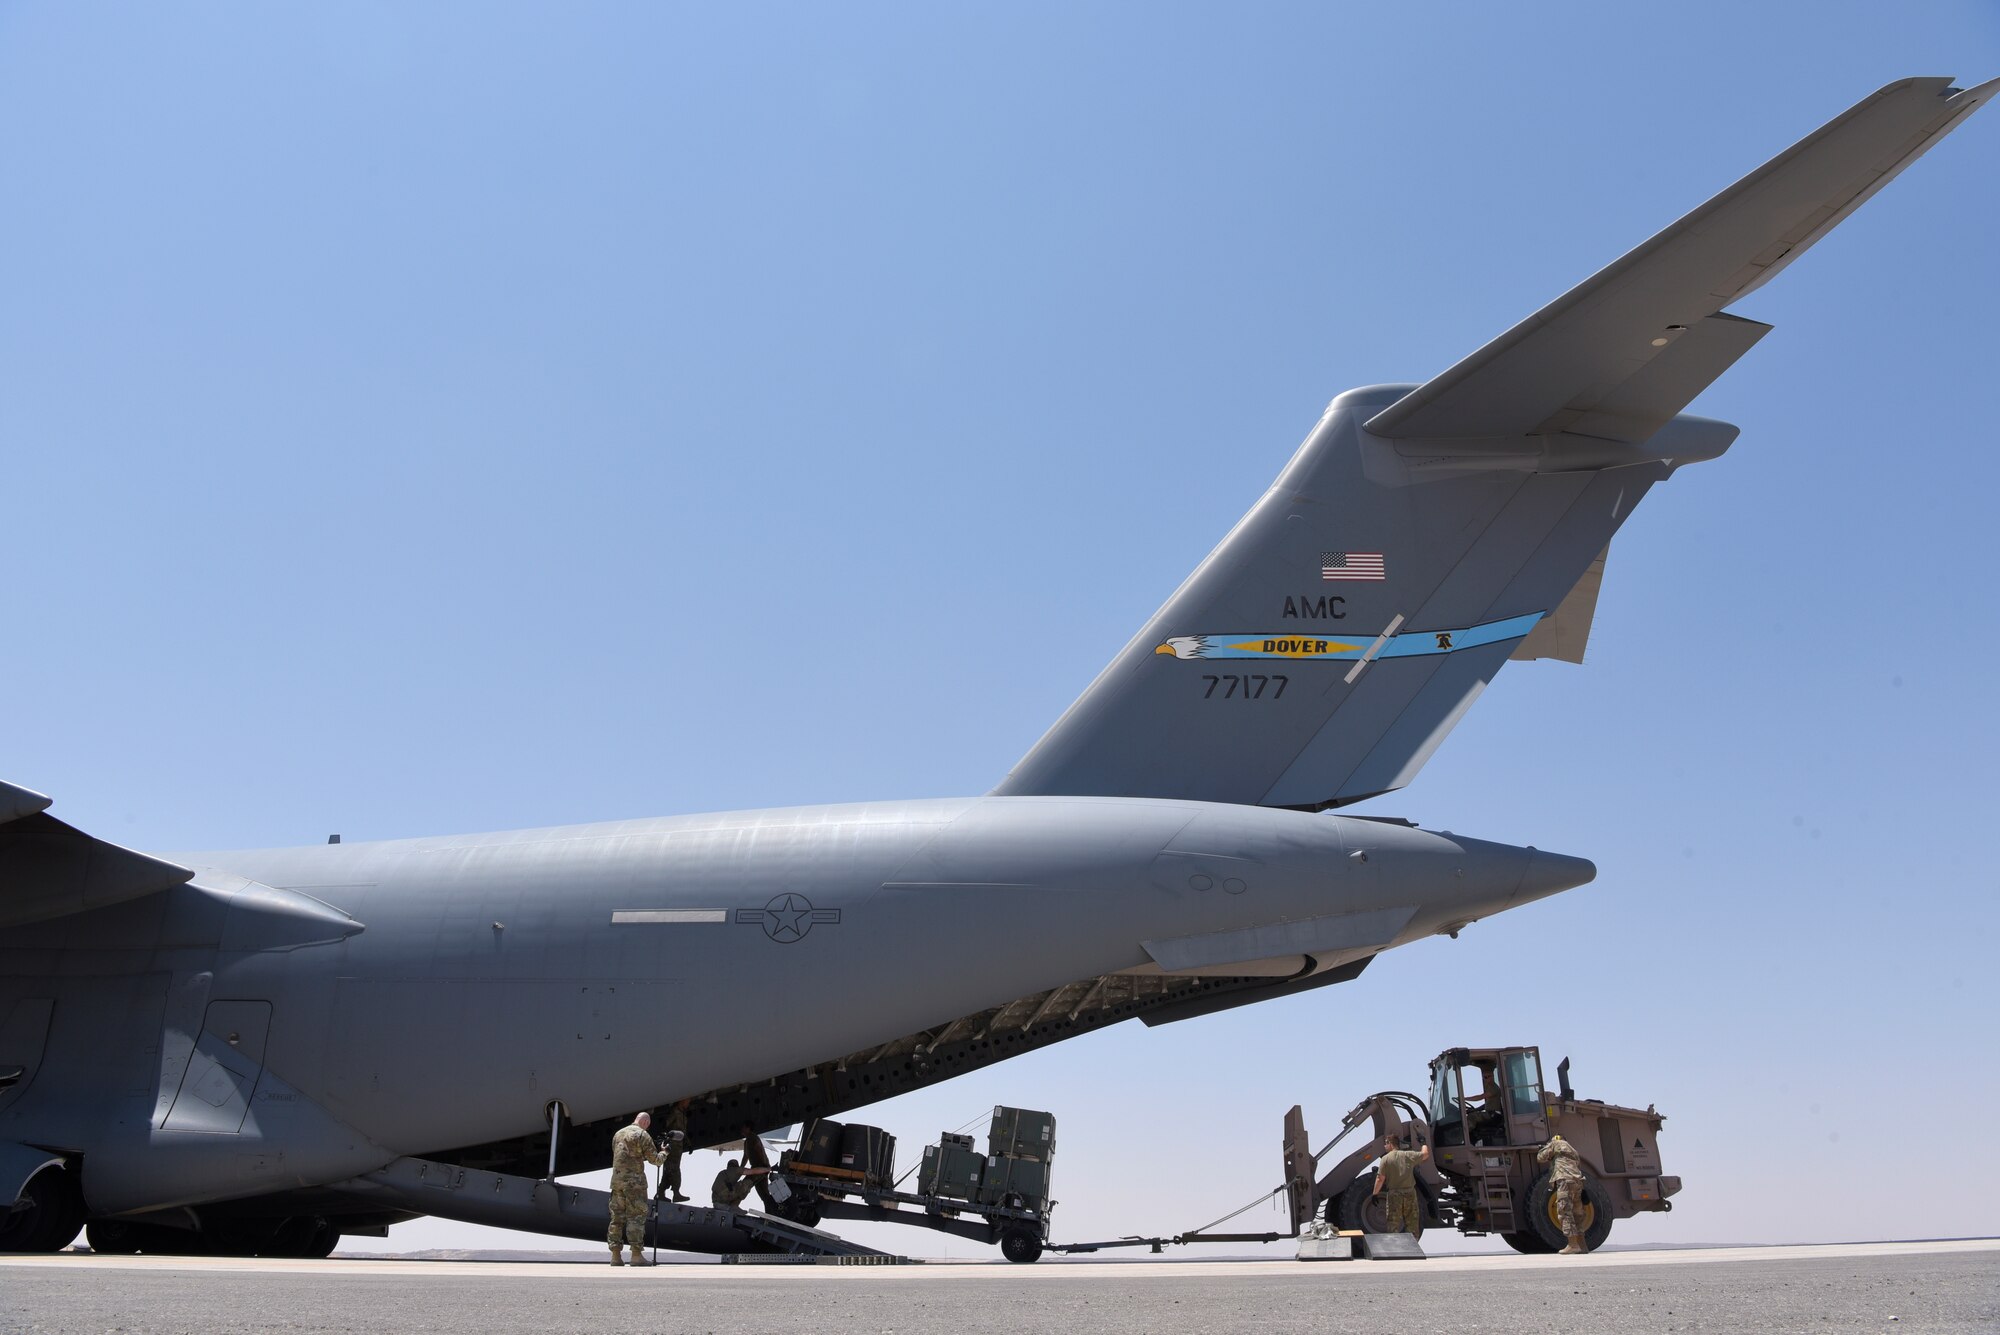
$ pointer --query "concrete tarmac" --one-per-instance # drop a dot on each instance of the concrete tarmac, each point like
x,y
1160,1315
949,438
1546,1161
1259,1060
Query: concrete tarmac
x,y
1890,1287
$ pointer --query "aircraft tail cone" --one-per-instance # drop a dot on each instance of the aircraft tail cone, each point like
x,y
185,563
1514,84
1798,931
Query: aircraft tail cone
x,y
1552,873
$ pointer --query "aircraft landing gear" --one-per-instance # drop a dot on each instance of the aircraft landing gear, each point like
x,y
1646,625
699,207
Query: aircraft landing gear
x,y
295,1237
47,1216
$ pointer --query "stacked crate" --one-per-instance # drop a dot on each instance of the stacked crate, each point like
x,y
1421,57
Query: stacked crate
x,y
1019,1145
951,1168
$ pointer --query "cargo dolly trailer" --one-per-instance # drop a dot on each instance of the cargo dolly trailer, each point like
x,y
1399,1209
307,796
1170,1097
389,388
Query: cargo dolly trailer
x,y
847,1171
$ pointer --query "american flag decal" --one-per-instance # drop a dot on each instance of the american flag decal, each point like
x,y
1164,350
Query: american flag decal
x,y
1352,565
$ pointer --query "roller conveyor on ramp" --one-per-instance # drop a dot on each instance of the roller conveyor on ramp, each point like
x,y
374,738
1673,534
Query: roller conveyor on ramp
x,y
538,1205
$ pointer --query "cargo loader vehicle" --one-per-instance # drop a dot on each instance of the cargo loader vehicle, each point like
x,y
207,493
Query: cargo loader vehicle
x,y
1485,1119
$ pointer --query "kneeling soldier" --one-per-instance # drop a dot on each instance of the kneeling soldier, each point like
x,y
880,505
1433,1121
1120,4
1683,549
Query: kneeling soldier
x,y
732,1184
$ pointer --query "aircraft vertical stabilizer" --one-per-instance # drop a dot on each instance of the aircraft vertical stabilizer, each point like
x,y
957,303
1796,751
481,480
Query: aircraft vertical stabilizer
x,y
1423,535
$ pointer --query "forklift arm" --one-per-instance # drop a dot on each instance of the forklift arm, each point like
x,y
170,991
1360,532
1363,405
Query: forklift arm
x,y
1392,1111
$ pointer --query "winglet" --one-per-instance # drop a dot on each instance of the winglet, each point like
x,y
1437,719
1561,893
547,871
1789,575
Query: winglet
x,y
18,802
49,869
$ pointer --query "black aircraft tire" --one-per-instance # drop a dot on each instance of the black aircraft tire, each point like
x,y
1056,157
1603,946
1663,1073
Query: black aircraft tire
x,y
1361,1208
48,1215
324,1239
1527,1242
111,1237
235,1237
1020,1246
123,1238
293,1237
1596,1213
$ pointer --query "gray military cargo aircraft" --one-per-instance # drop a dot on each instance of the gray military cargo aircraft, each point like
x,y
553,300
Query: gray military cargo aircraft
x,y
259,1051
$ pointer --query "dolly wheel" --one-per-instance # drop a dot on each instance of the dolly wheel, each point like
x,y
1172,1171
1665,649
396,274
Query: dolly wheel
x,y
1020,1246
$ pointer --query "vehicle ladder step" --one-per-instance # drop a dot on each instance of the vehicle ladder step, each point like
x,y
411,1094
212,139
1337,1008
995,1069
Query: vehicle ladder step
x,y
1498,1198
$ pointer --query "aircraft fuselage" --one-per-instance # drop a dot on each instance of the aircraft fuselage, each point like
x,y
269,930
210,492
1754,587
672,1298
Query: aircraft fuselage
x,y
347,1004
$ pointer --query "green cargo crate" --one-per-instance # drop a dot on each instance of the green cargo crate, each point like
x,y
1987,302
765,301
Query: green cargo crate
x,y
1007,1175
951,1171
1018,1132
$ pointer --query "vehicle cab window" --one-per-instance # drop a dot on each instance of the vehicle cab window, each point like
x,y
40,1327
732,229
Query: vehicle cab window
x,y
1527,1119
1524,1085
1484,1118
1447,1118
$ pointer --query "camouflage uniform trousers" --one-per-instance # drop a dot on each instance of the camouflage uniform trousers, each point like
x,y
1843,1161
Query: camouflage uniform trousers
x,y
628,1211
1404,1216
1568,1199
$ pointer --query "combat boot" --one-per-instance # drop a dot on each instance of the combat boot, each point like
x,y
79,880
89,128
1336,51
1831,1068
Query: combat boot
x,y
616,1259
1575,1247
639,1257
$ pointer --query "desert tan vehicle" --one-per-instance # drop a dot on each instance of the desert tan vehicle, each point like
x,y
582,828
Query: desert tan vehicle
x,y
1486,1118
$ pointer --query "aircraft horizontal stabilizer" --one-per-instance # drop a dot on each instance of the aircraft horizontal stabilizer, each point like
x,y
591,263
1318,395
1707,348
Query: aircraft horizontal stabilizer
x,y
49,869
1582,362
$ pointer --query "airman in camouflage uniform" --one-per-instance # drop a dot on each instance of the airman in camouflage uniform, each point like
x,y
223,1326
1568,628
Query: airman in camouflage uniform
x,y
631,1150
1396,1183
1566,1171
732,1184
673,1141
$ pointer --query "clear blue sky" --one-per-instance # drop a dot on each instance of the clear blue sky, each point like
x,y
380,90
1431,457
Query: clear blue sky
x,y
427,419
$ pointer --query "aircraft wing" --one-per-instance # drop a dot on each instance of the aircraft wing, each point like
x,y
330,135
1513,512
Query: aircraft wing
x,y
49,869
1622,353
